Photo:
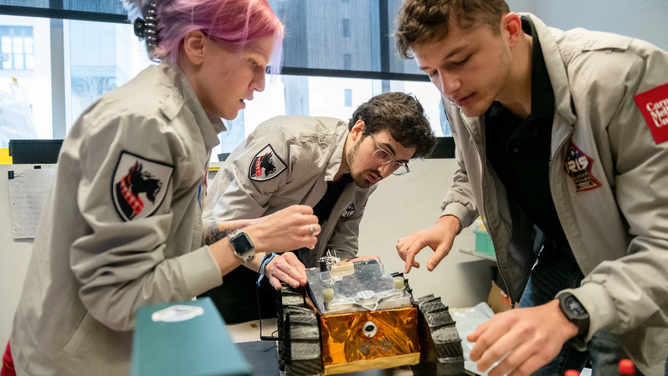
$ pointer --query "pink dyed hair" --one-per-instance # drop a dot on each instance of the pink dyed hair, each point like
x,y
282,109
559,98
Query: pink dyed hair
x,y
236,22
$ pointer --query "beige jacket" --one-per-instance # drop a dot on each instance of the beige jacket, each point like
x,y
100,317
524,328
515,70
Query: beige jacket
x,y
608,177
302,155
121,228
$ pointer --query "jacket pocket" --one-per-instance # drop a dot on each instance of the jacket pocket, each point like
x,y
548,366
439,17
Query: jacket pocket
x,y
83,330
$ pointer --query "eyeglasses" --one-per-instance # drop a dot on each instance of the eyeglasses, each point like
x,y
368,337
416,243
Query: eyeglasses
x,y
384,157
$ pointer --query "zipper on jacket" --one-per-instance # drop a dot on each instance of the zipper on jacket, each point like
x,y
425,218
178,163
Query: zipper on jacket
x,y
484,173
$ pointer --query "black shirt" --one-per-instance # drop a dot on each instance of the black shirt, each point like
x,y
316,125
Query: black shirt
x,y
334,189
519,149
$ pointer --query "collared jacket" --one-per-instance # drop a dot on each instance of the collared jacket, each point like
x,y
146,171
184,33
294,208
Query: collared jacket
x,y
608,178
121,228
289,160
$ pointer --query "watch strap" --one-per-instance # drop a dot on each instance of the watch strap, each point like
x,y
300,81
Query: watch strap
x,y
266,259
580,320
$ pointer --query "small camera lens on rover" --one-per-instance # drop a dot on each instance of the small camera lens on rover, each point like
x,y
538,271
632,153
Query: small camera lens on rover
x,y
370,329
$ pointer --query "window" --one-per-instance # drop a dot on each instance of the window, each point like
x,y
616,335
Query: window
x,y
346,28
100,56
348,97
17,47
347,62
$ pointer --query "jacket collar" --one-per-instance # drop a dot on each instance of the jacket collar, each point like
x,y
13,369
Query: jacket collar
x,y
183,94
334,162
555,68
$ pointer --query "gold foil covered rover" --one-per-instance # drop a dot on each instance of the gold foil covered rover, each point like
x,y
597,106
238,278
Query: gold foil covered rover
x,y
369,340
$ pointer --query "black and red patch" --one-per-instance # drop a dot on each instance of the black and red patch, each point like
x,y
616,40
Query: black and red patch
x,y
266,165
139,186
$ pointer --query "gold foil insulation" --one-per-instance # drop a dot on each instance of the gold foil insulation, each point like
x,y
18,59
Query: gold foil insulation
x,y
369,340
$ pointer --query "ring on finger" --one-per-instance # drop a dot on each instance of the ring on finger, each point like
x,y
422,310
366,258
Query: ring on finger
x,y
312,230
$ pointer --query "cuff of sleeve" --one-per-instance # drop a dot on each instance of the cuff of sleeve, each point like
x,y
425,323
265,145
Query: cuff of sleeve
x,y
200,271
599,305
461,212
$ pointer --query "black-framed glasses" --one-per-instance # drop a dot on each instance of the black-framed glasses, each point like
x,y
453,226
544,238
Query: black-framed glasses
x,y
384,157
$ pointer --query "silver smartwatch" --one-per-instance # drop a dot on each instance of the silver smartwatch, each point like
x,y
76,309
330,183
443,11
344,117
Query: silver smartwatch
x,y
242,245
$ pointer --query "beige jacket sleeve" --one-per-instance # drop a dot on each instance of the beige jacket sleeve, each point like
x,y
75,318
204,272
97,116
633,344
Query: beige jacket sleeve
x,y
633,290
121,264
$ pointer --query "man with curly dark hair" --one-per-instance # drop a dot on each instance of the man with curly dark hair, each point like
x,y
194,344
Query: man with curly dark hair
x,y
326,163
561,145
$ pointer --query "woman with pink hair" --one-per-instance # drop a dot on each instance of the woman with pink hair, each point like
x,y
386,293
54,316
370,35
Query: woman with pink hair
x,y
122,225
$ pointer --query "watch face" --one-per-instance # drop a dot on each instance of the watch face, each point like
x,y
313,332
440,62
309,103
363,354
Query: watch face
x,y
242,245
575,307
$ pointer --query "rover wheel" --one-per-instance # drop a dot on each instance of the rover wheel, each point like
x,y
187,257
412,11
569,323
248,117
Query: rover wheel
x,y
299,350
441,350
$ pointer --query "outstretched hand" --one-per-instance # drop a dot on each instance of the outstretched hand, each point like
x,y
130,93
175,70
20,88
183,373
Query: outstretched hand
x,y
439,238
521,340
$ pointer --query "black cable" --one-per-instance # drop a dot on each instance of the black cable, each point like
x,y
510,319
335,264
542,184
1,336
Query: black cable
x,y
259,316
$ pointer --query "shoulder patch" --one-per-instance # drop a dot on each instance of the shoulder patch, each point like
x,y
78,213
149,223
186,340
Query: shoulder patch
x,y
578,167
266,165
349,211
139,185
654,107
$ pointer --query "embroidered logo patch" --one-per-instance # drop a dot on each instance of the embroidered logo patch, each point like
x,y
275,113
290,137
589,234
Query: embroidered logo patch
x,y
654,107
578,167
349,211
139,186
266,165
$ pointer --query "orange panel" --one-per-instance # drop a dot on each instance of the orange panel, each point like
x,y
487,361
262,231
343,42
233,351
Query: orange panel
x,y
344,338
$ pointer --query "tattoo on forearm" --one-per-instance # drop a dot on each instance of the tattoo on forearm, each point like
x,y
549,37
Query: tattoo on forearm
x,y
214,233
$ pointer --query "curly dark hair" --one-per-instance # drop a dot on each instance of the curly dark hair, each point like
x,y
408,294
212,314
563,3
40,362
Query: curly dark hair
x,y
402,115
422,21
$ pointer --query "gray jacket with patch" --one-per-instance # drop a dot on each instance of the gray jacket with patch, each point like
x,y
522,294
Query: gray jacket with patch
x,y
104,248
608,177
288,160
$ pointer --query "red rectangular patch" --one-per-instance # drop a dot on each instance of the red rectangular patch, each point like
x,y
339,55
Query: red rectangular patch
x,y
654,107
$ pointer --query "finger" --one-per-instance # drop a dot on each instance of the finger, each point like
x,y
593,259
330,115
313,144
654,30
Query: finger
x,y
303,209
501,349
440,253
412,251
410,257
275,283
299,270
530,365
402,247
492,333
400,243
285,276
515,360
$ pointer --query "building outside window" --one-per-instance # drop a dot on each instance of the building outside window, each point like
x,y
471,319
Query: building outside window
x,y
347,62
17,47
101,56
346,28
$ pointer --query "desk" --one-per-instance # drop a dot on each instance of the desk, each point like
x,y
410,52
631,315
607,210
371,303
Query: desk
x,y
249,333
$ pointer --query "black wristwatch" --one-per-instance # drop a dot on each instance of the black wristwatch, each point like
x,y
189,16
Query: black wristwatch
x,y
575,312
242,245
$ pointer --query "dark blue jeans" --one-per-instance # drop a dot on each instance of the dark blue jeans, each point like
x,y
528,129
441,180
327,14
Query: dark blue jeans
x,y
557,270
